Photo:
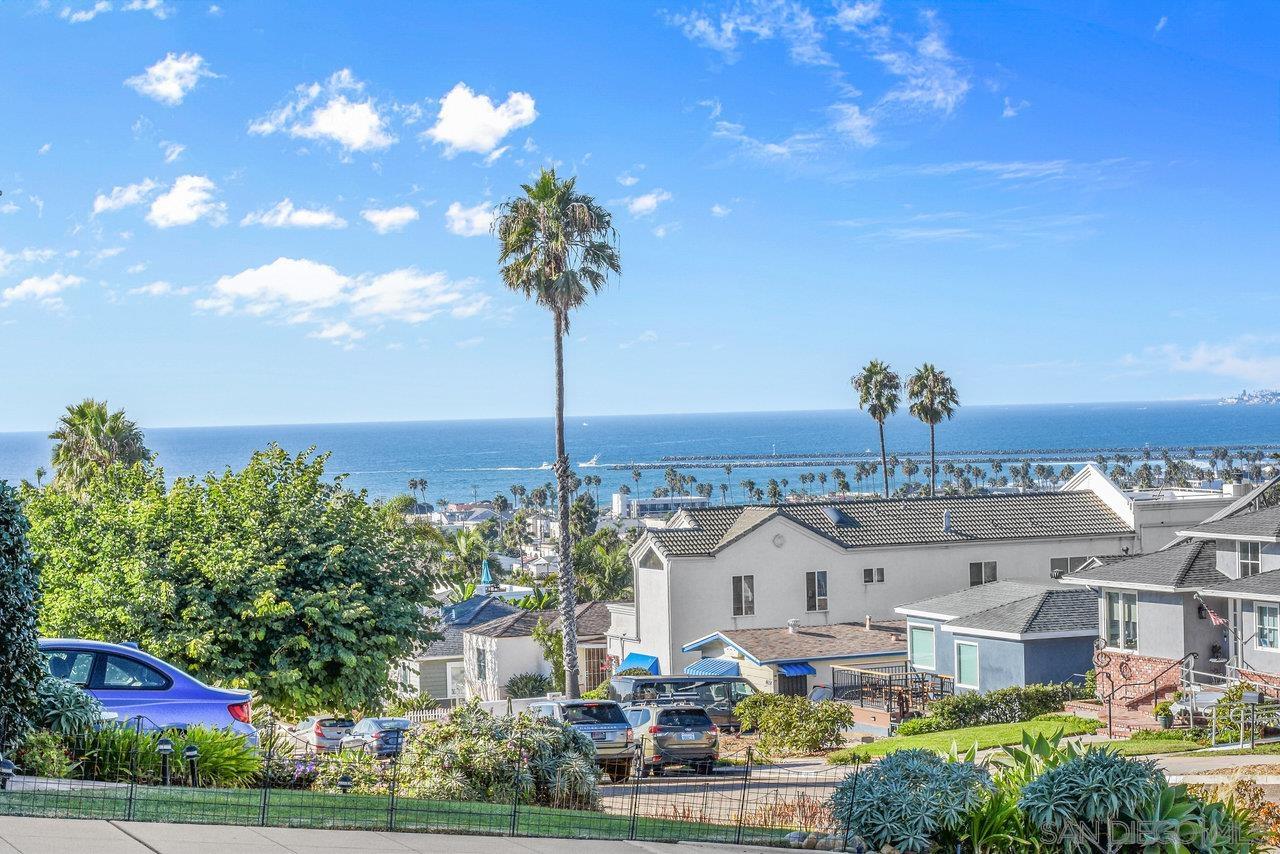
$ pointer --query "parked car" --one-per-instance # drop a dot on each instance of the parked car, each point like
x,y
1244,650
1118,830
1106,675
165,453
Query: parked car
x,y
379,736
606,724
132,684
675,735
321,733
717,695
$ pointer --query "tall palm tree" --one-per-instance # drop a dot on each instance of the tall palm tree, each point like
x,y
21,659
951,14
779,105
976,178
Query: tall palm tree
x,y
558,247
89,437
933,398
879,390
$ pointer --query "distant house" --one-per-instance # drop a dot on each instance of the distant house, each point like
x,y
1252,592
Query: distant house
x,y
634,507
1003,634
440,670
794,659
496,650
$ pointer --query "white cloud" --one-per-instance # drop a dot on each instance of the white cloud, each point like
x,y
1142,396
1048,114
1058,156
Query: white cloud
x,y
794,145
109,252
172,78
626,179
714,107
123,197
720,210
172,151
325,111
43,289
413,297
930,76
340,332
646,337
471,122
135,269
1249,358
159,8
661,231
854,124
9,208
467,343
215,10
1012,107
763,20
285,215
284,283
84,15
191,198
493,156
385,220
24,256
158,289
1162,23
646,203
45,149
469,222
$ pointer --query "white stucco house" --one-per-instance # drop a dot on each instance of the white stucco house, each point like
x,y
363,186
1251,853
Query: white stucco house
x,y
494,651
825,562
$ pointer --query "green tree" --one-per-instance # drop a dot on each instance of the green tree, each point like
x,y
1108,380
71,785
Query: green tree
x,y
603,566
933,398
879,391
583,516
20,663
90,437
270,578
558,247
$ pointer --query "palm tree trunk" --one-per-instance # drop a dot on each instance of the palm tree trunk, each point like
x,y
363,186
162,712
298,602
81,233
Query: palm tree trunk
x,y
568,605
933,465
884,460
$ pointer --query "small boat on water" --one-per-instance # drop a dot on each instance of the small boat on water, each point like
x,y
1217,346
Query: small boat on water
x,y
591,463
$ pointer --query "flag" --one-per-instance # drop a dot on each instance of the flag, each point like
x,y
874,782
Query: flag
x,y
1214,618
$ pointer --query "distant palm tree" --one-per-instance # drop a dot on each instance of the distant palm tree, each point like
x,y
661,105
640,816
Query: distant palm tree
x,y
40,473
879,390
558,247
933,399
724,493
89,438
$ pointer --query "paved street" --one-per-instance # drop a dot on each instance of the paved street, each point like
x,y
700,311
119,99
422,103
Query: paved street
x,y
69,836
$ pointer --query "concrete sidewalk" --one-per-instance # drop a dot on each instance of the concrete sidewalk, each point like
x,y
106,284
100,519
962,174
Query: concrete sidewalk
x,y
80,836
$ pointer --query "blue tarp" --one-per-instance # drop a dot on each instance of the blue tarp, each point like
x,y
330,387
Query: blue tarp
x,y
713,667
797,668
639,659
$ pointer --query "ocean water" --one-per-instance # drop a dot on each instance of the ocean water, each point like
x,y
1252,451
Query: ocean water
x,y
466,459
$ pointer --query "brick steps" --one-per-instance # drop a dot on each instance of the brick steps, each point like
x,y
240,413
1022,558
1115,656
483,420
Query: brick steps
x,y
1124,721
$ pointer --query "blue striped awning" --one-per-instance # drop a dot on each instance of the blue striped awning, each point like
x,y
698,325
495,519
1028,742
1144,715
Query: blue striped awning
x,y
713,667
639,659
796,668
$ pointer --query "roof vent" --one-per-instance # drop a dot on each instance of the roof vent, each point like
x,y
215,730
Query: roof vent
x,y
792,625
946,521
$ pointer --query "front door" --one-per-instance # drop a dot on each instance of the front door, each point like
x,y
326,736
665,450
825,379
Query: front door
x,y
793,686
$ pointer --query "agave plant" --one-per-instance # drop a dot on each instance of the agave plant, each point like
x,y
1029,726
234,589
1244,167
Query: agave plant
x,y
1019,765
1088,792
66,709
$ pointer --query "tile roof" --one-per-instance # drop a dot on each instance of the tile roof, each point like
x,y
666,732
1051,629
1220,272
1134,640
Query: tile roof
x,y
1189,564
1264,584
1260,523
910,521
971,600
1053,610
834,640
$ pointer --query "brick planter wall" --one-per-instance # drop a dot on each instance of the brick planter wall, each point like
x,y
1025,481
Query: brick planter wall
x,y
1269,679
1135,672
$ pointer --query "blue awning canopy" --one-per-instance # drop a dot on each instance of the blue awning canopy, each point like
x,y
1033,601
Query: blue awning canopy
x,y
639,659
796,668
713,667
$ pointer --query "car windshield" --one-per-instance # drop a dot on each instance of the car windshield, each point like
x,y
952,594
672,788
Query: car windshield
x,y
714,694
334,722
594,713
684,717
390,723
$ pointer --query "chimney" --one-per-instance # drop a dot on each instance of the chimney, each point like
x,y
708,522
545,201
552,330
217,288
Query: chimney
x,y
946,521
792,625
867,626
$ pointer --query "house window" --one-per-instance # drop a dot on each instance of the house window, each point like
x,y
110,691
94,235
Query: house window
x,y
1122,620
1060,566
982,572
1250,559
966,665
920,647
744,595
873,575
1268,625
815,586
482,668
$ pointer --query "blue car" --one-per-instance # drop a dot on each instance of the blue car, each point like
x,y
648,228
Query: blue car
x,y
131,683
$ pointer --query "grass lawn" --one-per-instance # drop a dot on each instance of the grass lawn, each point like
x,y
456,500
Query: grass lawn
x,y
993,735
1148,747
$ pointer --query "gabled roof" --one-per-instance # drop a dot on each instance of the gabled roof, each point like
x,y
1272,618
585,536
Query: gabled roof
x,y
478,609
593,620
807,643
896,521
1239,506
1186,566
1013,610
1257,525
1263,585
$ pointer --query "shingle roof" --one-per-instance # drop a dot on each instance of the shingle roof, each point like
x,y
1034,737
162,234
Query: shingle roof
x,y
1053,610
593,620
1190,564
1260,523
903,521
834,640
478,609
971,600
1264,584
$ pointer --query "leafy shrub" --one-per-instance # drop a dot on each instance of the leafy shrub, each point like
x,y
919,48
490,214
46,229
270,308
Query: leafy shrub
x,y
43,754
368,775
1089,792
114,753
65,708
912,799
1014,704
920,726
1018,765
20,661
794,724
1194,734
404,704
524,685
475,756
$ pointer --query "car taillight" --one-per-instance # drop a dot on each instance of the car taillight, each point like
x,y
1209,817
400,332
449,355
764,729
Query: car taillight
x,y
630,734
654,730
318,730
714,732
241,712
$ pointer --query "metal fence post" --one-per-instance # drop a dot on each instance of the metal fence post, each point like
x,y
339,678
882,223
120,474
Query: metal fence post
x,y
391,800
635,793
133,768
515,797
264,806
853,792
742,800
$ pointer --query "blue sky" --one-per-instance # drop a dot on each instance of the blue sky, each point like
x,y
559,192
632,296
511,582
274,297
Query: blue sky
x,y
267,212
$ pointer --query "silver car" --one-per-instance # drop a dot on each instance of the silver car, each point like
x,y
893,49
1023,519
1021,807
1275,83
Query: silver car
x,y
605,723
321,734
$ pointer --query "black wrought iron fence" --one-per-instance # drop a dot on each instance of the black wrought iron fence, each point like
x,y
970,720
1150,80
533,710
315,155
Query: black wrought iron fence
x,y
136,771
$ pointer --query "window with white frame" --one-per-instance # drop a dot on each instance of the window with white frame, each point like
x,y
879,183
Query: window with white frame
x,y
744,595
1122,620
873,575
815,590
1250,559
966,664
1060,566
1268,617
982,572
920,648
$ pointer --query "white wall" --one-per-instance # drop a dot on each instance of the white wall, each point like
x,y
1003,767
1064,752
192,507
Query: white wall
x,y
506,657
